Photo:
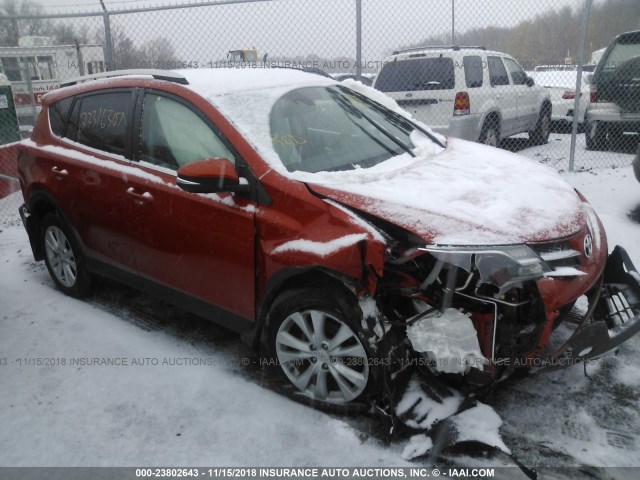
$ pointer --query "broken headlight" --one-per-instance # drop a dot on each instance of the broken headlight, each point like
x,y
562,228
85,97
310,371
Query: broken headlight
x,y
502,266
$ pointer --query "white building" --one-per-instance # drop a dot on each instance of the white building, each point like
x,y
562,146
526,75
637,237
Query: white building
x,y
36,67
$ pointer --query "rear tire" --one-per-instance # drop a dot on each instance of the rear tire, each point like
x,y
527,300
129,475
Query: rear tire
x,y
616,139
596,135
64,259
317,347
490,134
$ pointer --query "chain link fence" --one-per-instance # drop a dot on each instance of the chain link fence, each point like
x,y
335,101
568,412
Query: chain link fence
x,y
478,93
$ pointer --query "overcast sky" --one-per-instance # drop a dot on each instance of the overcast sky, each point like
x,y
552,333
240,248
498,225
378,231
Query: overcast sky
x,y
301,27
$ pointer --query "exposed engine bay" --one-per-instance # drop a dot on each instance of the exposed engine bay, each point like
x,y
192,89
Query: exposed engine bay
x,y
475,314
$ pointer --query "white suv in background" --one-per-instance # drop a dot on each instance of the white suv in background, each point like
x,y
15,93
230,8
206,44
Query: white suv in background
x,y
467,92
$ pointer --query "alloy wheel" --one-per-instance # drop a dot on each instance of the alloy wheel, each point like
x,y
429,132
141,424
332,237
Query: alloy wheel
x,y
60,256
322,356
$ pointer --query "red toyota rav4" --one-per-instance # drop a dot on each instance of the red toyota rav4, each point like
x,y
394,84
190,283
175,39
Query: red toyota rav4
x,y
345,239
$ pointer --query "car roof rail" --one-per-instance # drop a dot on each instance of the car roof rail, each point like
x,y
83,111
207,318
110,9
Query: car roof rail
x,y
167,75
439,47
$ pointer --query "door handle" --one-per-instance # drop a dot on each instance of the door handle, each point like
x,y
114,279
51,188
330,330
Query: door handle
x,y
59,173
139,198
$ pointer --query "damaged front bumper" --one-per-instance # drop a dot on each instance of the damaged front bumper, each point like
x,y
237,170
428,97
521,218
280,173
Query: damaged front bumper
x,y
613,316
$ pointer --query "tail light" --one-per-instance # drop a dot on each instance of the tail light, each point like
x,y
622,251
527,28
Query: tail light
x,y
461,105
569,95
593,96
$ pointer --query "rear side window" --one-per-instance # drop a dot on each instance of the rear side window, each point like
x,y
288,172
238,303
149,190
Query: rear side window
x,y
58,114
626,48
497,72
417,74
102,121
473,70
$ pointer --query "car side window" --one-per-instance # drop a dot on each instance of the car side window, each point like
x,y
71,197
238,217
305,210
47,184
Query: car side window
x,y
58,113
71,132
497,73
473,70
102,121
518,76
174,135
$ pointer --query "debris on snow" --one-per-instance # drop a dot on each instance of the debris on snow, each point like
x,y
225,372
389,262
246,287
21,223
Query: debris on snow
x,y
418,410
481,424
418,445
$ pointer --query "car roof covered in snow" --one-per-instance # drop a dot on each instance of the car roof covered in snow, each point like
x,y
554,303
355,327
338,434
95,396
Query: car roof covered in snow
x,y
208,82
212,82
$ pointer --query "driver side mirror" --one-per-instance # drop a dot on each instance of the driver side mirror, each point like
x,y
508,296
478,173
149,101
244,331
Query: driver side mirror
x,y
530,82
210,176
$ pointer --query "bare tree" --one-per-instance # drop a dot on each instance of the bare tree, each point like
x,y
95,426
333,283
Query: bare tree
x,y
9,32
63,34
552,36
158,53
12,29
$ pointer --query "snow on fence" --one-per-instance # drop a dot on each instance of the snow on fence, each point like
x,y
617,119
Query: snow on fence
x,y
556,42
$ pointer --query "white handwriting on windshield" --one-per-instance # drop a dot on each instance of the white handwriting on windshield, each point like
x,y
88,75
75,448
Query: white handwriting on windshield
x,y
290,140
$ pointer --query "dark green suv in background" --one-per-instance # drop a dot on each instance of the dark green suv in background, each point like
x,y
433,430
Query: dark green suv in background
x,y
614,111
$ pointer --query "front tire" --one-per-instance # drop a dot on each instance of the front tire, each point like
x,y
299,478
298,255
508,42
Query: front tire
x,y
540,135
63,257
318,348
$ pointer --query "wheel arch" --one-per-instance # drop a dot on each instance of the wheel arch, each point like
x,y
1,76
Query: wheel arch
x,y
487,117
491,115
39,205
296,278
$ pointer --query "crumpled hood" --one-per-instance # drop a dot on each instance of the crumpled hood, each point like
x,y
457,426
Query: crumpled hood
x,y
469,194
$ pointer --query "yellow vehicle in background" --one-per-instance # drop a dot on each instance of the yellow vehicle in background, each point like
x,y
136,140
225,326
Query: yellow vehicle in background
x,y
243,56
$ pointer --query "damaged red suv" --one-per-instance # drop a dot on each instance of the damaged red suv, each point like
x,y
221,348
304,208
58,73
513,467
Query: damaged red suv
x,y
347,241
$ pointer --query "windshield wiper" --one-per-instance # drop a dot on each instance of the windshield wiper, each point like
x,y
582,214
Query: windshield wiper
x,y
397,116
359,113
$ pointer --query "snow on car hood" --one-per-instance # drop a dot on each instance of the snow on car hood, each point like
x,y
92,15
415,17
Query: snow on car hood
x,y
469,194
466,194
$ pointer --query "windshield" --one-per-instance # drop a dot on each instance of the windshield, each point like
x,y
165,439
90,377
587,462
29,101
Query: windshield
x,y
316,129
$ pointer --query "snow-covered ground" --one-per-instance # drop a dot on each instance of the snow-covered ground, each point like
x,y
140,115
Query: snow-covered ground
x,y
181,391
555,154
